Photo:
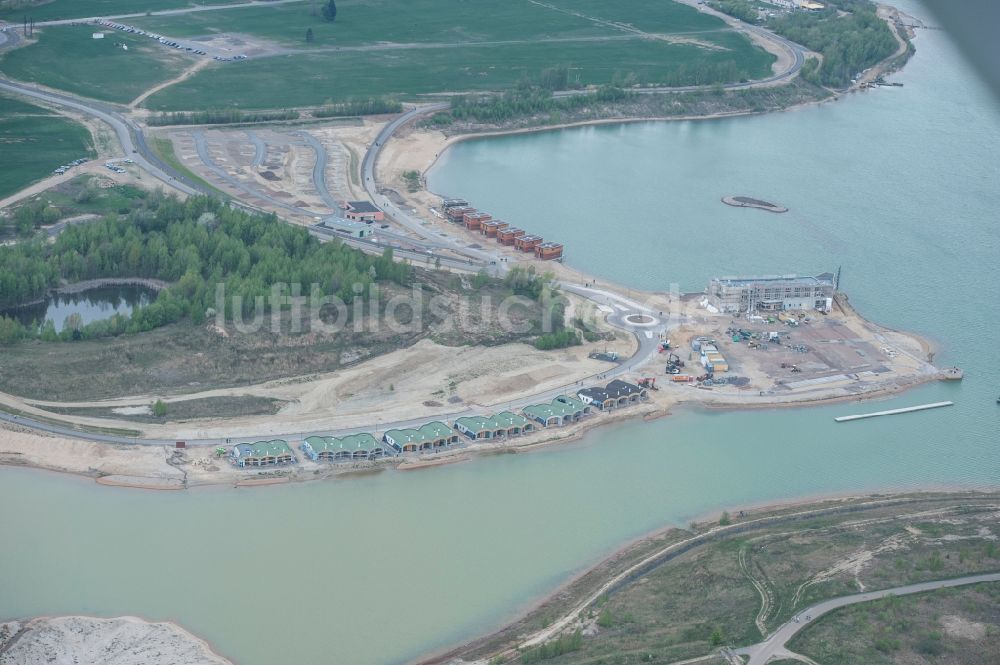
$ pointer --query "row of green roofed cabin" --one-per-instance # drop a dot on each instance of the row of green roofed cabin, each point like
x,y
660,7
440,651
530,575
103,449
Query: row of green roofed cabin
x,y
502,425
563,410
339,449
262,453
431,436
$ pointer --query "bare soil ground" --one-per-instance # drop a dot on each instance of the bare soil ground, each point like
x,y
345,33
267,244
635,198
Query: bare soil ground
x,y
23,447
281,182
837,356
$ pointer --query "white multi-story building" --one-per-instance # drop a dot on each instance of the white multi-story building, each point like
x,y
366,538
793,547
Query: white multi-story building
x,y
771,293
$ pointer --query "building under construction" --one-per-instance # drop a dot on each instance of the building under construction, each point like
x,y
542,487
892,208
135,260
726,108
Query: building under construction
x,y
771,293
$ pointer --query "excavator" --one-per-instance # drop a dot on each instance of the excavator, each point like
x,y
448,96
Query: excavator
x,y
674,364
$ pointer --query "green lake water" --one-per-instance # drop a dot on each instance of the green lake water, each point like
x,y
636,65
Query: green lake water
x,y
899,186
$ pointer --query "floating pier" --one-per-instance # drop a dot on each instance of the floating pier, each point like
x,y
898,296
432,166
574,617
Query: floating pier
x,y
893,412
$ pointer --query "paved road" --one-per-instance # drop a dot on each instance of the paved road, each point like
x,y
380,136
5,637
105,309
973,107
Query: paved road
x,y
129,135
403,217
774,646
260,148
428,247
164,12
133,144
319,171
648,347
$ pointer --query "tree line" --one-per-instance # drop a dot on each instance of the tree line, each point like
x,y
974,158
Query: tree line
x,y
370,106
521,102
219,117
849,43
848,33
195,245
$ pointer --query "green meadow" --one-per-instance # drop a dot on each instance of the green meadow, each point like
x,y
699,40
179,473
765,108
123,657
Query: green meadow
x,y
400,48
67,58
52,10
301,80
33,141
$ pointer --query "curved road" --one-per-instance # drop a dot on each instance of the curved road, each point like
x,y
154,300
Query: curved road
x,y
129,135
774,646
648,337
133,143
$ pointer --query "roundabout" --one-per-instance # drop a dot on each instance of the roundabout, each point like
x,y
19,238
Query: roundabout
x,y
640,320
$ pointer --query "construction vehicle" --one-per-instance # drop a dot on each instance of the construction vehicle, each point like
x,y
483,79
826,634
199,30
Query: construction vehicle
x,y
674,364
648,382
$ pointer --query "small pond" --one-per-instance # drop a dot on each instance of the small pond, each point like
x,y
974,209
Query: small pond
x,y
92,305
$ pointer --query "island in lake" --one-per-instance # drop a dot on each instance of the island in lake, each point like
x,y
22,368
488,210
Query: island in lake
x,y
747,202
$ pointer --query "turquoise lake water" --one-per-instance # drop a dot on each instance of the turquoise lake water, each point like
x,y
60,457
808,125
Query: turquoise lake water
x,y
900,186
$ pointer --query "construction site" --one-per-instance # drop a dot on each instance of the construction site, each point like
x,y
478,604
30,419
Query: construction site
x,y
792,356
298,173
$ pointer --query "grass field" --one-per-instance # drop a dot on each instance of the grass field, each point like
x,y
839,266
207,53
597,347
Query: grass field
x,y
457,54
430,21
949,627
301,80
33,141
67,58
207,407
433,46
373,21
49,10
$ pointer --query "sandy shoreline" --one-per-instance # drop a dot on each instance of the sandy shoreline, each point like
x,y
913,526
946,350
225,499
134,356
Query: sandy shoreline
x,y
160,468
126,640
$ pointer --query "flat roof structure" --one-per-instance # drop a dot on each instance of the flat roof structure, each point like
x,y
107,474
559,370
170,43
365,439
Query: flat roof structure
x,y
347,226
527,243
509,235
549,250
771,293
819,280
365,211
362,206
